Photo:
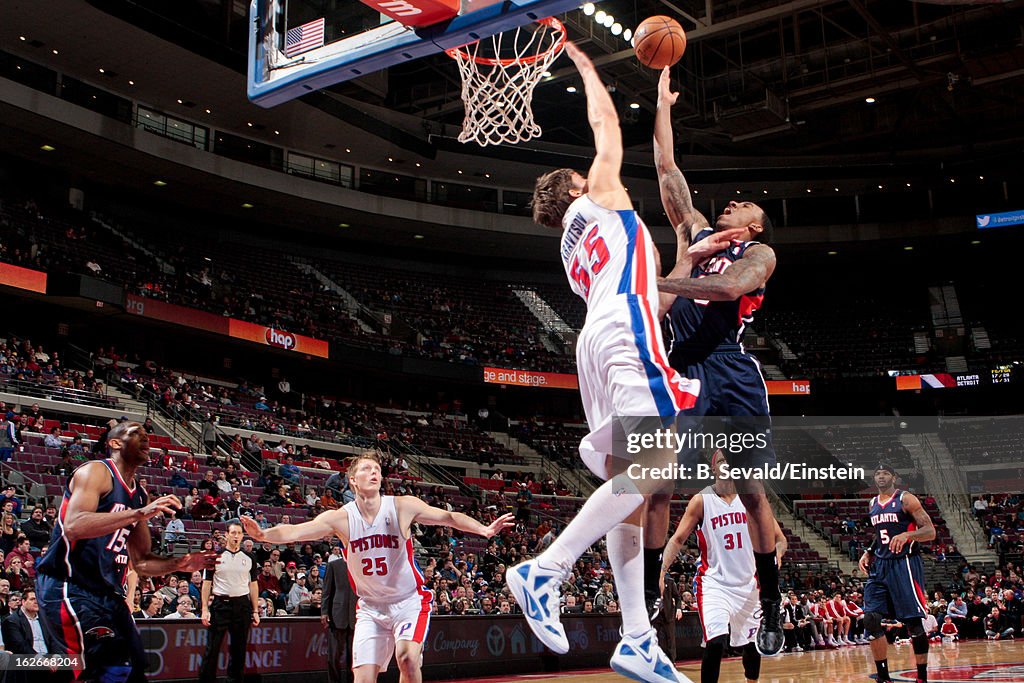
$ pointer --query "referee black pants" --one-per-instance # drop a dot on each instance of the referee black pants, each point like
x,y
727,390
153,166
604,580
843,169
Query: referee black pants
x,y
232,616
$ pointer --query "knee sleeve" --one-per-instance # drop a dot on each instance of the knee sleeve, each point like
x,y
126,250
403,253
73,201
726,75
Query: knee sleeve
x,y
873,625
711,665
918,638
751,662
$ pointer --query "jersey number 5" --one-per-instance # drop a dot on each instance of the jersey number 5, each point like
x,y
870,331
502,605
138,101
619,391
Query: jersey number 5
x,y
380,567
597,259
883,536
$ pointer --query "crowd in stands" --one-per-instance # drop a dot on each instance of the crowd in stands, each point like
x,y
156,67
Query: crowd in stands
x,y
403,313
1002,518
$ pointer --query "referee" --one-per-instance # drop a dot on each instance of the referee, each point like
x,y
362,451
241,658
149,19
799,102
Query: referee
x,y
235,605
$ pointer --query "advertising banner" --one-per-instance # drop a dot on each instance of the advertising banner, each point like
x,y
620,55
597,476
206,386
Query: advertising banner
x,y
789,387
229,327
529,378
23,278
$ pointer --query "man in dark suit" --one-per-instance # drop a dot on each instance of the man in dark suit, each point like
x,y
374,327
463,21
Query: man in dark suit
x,y
670,613
338,612
17,632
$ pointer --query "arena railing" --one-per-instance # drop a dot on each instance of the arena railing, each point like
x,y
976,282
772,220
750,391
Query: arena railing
x,y
55,392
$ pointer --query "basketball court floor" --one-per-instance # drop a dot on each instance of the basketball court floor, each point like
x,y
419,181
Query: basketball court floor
x,y
972,662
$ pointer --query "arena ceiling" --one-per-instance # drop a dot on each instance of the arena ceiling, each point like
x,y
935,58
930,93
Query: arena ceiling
x,y
759,78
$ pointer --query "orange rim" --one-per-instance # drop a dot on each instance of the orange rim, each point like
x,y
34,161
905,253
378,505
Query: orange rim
x,y
550,22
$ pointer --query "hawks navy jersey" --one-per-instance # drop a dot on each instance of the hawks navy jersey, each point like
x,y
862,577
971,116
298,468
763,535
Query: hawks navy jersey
x,y
891,520
700,326
99,565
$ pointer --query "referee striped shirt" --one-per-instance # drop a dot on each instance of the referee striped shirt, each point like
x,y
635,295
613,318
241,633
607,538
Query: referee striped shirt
x,y
232,574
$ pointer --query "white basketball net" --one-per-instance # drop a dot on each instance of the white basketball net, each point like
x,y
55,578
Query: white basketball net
x,y
498,89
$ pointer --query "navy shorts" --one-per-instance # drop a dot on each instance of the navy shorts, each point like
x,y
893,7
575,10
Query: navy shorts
x,y
895,588
98,627
733,400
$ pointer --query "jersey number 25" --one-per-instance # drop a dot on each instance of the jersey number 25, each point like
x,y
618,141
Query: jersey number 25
x,y
380,567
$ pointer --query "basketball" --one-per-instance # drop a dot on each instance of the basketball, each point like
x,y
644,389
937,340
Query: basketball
x,y
659,41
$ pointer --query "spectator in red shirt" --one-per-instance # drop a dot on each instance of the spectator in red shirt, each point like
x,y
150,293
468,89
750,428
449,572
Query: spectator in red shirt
x,y
190,464
949,629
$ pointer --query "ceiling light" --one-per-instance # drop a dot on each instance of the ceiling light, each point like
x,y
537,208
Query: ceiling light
x,y
208,111
764,191
102,70
460,172
487,175
22,38
181,102
627,35
131,82
880,187
908,184
952,180
417,237
836,189
418,164
832,253
808,190
246,205
545,74
981,177
599,17
975,241
391,158
348,149
159,183
737,191
571,88
870,100
908,248
588,9
696,192
616,28
277,132
343,225
248,123
608,21
634,105
55,52
47,148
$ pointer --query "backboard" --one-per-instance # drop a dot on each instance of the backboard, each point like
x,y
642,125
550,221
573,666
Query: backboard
x,y
358,39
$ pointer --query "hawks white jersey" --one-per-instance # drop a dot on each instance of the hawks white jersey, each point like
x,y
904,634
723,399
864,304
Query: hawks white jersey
x,y
607,255
380,562
726,554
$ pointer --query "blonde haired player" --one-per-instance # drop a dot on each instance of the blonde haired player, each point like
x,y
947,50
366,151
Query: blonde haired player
x,y
728,600
394,606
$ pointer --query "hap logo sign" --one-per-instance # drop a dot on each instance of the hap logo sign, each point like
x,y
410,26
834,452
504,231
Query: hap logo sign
x,y
281,339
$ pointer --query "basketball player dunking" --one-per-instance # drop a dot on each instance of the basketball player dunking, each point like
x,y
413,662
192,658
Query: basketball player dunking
x,y
609,259
725,586
714,289
102,528
895,586
394,606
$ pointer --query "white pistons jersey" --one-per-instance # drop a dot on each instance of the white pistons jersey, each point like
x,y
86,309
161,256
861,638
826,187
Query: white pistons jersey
x,y
726,553
607,255
381,562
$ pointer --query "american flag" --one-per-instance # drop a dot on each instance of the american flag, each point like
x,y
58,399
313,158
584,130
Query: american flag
x,y
304,38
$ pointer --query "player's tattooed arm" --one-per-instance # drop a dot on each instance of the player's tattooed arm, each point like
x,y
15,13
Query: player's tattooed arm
x,y
925,530
675,193
746,275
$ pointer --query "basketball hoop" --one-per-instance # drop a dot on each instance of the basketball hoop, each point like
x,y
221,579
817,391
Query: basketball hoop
x,y
498,90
